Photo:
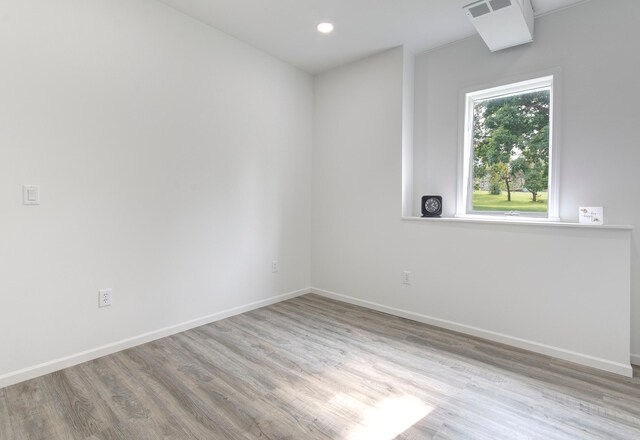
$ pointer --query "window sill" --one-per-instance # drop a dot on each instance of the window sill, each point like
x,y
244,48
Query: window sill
x,y
521,222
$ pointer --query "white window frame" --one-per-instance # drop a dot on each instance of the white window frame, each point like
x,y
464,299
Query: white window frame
x,y
465,163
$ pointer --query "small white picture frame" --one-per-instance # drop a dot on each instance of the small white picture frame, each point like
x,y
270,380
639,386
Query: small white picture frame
x,y
592,215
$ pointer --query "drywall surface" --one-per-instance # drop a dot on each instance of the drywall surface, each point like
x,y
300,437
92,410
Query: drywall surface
x,y
593,48
559,291
174,165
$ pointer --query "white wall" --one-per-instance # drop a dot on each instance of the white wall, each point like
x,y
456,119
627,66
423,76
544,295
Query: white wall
x,y
560,291
594,45
174,164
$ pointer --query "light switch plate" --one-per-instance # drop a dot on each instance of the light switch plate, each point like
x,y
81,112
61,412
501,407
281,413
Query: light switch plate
x,y
30,195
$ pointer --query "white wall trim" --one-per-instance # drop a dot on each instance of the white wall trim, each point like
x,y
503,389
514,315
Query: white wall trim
x,y
408,111
522,221
635,359
94,353
560,353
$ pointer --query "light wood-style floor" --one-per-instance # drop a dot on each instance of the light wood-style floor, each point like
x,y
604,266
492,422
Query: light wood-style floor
x,y
311,368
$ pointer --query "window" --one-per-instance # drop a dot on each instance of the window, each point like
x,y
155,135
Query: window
x,y
507,166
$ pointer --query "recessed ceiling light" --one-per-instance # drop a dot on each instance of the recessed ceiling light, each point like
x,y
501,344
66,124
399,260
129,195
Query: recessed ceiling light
x,y
325,28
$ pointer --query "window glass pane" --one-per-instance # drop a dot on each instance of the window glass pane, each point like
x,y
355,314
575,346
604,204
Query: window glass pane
x,y
511,153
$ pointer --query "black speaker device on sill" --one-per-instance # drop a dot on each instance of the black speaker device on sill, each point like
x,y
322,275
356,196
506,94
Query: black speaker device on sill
x,y
431,206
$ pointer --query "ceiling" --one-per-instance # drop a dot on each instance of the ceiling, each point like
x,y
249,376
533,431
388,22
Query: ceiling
x,y
287,28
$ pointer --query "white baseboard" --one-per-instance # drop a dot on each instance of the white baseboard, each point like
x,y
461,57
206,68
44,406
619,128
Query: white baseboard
x,y
635,359
560,353
78,358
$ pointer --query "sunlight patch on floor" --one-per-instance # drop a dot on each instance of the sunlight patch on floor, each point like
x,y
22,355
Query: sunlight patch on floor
x,y
387,419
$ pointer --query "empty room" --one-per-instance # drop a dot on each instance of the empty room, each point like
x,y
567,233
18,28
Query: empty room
x,y
319,219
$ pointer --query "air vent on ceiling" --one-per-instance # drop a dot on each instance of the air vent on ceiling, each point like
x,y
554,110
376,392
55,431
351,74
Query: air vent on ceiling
x,y
481,9
502,23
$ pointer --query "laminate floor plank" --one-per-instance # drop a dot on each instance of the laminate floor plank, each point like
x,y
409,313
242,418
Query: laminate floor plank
x,y
242,382
179,400
32,413
237,409
565,376
292,380
5,419
313,368
169,422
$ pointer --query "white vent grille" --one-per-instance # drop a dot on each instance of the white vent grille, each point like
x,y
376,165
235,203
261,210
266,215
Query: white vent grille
x,y
481,9
502,23
499,4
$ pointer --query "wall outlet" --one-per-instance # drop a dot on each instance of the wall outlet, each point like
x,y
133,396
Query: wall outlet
x,y
406,277
275,266
104,297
